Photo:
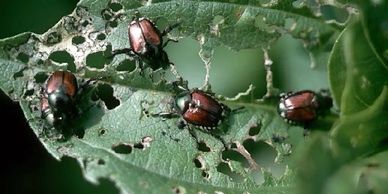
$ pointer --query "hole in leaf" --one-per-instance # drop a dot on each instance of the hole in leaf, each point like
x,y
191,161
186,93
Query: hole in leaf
x,y
261,152
62,57
233,155
101,36
29,92
80,133
205,175
106,14
101,132
233,146
115,6
225,169
198,163
40,77
40,62
18,74
85,23
112,24
76,40
203,147
122,148
126,65
105,93
101,162
179,190
330,12
96,60
53,38
254,130
23,57
138,146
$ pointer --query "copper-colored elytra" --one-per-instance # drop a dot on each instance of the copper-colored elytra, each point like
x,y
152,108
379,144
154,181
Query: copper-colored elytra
x,y
62,79
150,32
207,102
302,99
301,106
304,114
198,116
136,38
206,112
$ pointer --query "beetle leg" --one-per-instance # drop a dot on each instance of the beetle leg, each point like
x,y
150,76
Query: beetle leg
x,y
127,51
220,139
167,115
193,134
169,40
181,124
169,28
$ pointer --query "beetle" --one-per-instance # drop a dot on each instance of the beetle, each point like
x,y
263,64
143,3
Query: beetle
x,y
146,42
58,101
200,109
303,107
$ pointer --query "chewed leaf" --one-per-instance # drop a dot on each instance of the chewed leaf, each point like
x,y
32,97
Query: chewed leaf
x,y
118,136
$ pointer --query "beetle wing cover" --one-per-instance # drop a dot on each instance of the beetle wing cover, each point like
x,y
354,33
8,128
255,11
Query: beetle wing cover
x,y
70,83
207,103
305,114
62,79
54,82
200,117
136,38
150,32
301,99
301,106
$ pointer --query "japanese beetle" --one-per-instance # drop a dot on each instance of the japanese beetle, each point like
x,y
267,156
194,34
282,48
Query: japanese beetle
x,y
303,107
58,102
146,42
200,109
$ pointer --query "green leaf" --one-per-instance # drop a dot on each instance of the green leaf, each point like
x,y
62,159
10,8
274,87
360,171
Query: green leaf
x,y
338,162
121,140
356,73
327,172
367,175
374,21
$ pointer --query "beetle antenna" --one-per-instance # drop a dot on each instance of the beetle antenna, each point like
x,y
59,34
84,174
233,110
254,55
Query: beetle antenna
x,y
169,40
